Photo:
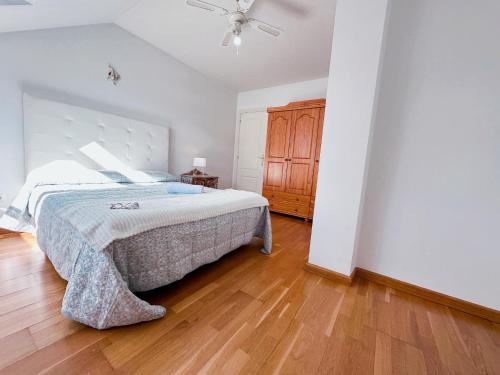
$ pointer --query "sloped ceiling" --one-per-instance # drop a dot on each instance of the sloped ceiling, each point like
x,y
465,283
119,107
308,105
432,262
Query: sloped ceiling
x,y
48,14
193,35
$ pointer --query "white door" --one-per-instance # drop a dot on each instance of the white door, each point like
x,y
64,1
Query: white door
x,y
251,148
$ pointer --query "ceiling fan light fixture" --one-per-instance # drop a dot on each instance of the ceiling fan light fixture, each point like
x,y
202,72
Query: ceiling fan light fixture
x,y
237,19
237,40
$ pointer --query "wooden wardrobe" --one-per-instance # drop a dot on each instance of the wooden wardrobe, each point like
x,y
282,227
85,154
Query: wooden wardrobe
x,y
292,157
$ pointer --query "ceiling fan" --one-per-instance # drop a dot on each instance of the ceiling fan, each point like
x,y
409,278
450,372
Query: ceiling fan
x,y
237,20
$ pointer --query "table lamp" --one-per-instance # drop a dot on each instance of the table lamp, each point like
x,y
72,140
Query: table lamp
x,y
198,162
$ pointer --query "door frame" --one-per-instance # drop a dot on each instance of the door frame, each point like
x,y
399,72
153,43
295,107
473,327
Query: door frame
x,y
239,113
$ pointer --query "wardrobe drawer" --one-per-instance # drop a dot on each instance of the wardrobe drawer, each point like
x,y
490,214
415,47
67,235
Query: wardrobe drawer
x,y
289,208
292,204
286,197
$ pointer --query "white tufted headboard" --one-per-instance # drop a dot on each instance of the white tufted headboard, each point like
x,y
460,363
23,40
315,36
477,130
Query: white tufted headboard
x,y
57,131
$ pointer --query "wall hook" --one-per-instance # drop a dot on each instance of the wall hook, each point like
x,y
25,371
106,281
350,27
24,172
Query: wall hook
x,y
113,75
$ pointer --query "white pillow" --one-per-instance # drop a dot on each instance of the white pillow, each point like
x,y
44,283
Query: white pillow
x,y
65,172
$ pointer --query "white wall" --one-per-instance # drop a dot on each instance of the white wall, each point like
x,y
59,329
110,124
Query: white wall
x,y
273,97
432,204
70,65
282,95
352,89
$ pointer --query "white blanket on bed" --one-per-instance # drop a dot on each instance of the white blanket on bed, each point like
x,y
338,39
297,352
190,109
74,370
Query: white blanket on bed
x,y
100,225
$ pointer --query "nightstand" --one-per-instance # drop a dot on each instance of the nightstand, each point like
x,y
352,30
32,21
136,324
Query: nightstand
x,y
200,179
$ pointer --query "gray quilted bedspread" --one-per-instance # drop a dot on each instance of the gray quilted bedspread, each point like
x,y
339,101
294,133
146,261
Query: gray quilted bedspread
x,y
101,283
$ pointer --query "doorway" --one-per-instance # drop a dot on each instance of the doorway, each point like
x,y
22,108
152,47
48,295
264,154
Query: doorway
x,y
251,145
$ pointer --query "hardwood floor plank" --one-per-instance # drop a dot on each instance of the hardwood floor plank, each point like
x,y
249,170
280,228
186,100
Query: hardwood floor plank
x,y
29,315
480,345
127,342
194,297
305,356
383,354
15,347
217,361
452,351
28,281
14,271
279,356
88,361
406,359
53,329
55,353
24,241
16,284
245,314
238,301
227,341
259,355
166,356
235,364
433,363
332,361
273,325
14,301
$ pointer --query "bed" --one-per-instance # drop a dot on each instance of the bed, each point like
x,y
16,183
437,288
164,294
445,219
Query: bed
x,y
108,254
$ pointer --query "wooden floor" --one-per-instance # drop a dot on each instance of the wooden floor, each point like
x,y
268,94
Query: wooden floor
x,y
248,314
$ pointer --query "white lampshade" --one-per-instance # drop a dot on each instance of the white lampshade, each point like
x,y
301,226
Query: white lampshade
x,y
199,162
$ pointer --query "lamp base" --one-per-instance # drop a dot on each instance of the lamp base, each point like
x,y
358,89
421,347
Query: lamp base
x,y
195,172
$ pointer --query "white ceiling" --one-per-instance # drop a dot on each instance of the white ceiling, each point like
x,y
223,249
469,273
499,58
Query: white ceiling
x,y
47,14
193,35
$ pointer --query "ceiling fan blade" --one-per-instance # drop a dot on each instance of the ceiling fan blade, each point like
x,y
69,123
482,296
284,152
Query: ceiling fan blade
x,y
265,27
227,38
207,6
245,5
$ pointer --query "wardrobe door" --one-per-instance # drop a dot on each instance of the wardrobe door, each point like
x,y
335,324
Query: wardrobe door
x,y
302,151
275,163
